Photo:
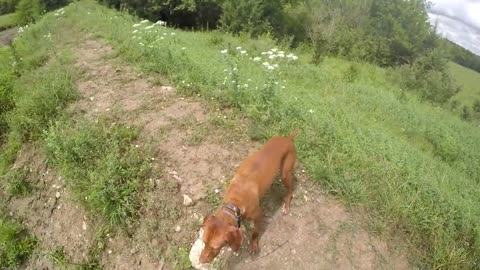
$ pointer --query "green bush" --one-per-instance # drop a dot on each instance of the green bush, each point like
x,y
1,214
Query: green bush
x,y
476,106
428,76
251,16
28,11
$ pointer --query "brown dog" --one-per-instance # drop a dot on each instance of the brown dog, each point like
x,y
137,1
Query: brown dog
x,y
242,197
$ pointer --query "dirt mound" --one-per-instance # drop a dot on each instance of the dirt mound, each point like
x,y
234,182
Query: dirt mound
x,y
50,212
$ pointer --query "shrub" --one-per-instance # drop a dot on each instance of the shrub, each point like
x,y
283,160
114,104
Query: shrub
x,y
250,16
466,113
428,76
476,106
28,11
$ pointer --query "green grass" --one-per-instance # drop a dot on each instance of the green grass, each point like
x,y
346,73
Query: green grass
x,y
413,165
7,21
102,165
16,245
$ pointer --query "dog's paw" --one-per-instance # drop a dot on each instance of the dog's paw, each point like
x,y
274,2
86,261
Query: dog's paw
x,y
253,248
285,209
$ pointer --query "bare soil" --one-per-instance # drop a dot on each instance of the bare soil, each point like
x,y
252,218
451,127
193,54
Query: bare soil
x,y
197,149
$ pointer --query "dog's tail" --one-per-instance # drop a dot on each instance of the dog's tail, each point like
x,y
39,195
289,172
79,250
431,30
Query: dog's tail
x,y
294,134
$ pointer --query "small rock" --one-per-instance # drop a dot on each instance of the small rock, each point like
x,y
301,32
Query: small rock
x,y
109,251
187,201
84,226
294,251
92,98
177,229
217,191
57,195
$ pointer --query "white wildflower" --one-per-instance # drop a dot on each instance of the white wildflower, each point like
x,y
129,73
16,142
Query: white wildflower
x,y
274,50
239,48
311,111
149,27
224,51
135,31
243,52
245,85
173,34
162,23
144,21
272,56
263,53
235,69
266,64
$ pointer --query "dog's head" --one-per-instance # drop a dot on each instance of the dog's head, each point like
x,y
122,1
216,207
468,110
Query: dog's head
x,y
218,234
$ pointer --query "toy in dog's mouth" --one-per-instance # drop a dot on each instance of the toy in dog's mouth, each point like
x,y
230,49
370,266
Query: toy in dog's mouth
x,y
196,250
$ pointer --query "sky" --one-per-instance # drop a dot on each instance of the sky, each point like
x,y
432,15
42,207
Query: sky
x,y
458,21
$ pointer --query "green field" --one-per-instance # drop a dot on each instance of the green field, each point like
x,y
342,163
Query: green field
x,y
7,21
413,166
470,83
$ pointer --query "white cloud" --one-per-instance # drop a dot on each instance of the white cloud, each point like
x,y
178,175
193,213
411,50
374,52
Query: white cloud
x,y
457,22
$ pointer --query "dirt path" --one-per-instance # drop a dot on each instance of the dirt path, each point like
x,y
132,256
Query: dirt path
x,y
198,148
6,36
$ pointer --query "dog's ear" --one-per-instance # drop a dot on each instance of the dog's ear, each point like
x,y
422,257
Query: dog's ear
x,y
234,237
207,219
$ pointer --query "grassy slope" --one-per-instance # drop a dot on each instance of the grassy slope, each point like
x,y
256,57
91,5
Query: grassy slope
x,y
7,21
470,82
413,165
